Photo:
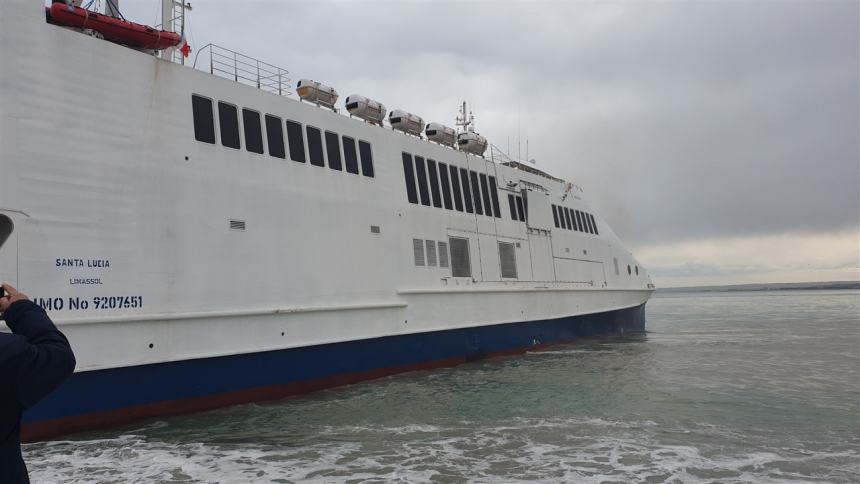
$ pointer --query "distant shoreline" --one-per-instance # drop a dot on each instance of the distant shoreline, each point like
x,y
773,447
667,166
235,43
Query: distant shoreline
x,y
777,286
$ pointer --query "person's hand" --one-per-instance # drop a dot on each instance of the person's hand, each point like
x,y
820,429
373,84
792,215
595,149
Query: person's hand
x,y
10,296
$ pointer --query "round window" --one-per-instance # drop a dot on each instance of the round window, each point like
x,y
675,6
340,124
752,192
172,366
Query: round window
x,y
628,269
637,270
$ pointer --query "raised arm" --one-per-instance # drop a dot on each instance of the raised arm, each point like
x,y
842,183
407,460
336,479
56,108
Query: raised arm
x,y
37,352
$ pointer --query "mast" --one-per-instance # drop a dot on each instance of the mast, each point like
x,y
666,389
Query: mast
x,y
173,20
466,121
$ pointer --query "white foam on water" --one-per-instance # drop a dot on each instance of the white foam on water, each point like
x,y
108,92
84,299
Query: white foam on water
x,y
533,450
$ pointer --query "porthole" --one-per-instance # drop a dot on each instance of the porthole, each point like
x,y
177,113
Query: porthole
x,y
637,270
628,270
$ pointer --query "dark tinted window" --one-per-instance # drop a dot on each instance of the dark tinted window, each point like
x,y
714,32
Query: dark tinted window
x,y
351,156
587,220
434,183
494,194
578,217
476,193
512,202
461,265
275,136
332,147
253,131
446,188
520,209
366,158
467,193
204,119
508,260
421,173
594,224
229,118
297,141
561,219
555,216
409,175
455,187
570,220
485,190
315,149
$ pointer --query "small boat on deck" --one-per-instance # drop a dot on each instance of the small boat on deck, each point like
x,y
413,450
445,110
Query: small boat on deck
x,y
114,29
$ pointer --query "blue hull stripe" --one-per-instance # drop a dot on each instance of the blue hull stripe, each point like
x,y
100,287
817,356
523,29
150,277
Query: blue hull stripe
x,y
114,389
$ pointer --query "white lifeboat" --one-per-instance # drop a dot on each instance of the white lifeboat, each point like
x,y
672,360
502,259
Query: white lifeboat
x,y
406,122
441,134
472,143
316,92
365,108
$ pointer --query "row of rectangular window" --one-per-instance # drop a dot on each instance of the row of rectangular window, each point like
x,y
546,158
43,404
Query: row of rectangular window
x,y
472,192
571,219
228,118
518,207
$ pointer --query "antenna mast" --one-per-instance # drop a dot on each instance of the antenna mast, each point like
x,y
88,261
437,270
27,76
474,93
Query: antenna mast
x,y
466,121
173,20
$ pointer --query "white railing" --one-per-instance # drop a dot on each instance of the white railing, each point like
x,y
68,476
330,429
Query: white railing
x,y
243,69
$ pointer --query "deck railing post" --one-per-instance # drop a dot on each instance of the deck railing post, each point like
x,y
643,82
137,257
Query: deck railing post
x,y
244,68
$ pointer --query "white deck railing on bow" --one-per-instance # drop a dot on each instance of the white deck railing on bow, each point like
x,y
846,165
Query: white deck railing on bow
x,y
243,69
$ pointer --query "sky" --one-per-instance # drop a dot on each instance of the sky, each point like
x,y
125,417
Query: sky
x,y
719,139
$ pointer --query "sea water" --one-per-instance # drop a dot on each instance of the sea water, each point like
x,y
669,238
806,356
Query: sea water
x,y
725,387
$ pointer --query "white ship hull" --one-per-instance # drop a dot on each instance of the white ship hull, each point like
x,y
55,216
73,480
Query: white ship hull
x,y
150,248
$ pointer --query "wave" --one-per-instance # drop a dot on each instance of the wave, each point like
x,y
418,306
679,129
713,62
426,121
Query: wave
x,y
543,450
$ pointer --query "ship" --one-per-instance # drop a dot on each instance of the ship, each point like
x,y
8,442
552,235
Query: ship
x,y
207,235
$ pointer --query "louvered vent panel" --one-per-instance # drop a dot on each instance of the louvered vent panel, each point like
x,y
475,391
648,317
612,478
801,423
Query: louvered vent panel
x,y
443,254
237,225
460,264
508,258
431,252
418,251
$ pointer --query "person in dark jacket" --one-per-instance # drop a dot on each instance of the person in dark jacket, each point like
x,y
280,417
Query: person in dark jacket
x,y
34,360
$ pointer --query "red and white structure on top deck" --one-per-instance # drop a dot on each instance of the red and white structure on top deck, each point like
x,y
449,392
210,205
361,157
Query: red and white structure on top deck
x,y
113,27
205,238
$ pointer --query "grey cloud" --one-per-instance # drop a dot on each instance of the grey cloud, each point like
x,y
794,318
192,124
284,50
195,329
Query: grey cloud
x,y
681,120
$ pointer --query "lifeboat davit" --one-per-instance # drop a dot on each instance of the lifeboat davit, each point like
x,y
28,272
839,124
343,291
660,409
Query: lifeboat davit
x,y
113,29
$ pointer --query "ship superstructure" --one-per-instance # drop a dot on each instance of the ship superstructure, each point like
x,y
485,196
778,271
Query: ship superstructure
x,y
204,242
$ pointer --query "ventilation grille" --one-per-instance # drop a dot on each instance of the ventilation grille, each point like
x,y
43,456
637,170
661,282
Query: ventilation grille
x,y
237,225
374,229
443,254
418,251
508,258
460,264
431,252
